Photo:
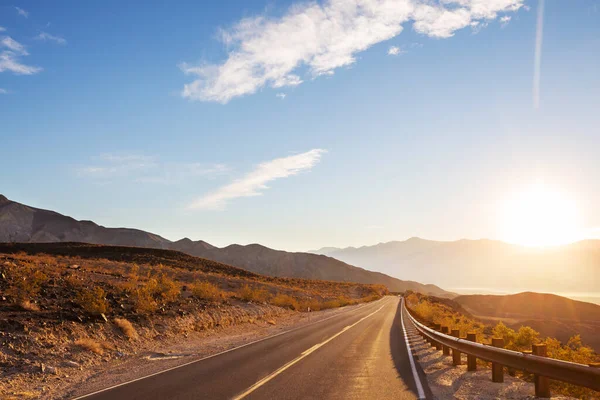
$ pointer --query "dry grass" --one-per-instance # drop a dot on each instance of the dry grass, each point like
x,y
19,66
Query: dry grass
x,y
25,281
286,301
28,306
90,345
257,295
207,291
92,301
126,327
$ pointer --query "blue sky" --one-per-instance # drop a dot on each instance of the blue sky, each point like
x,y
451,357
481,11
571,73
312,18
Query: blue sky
x,y
299,125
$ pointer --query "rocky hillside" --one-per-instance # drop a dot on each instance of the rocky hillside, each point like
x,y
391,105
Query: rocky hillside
x,y
21,223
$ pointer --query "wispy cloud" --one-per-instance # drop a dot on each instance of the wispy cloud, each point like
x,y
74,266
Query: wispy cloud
x,y
22,12
2,29
10,57
255,182
13,45
395,51
281,95
146,169
3,91
46,37
537,65
320,38
505,20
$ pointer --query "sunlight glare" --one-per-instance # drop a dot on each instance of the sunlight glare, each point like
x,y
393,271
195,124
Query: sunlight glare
x,y
540,216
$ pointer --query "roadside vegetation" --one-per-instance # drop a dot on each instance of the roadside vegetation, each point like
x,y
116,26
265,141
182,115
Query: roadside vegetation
x,y
428,309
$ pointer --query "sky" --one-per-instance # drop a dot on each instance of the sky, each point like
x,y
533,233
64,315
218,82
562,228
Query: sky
x,y
300,125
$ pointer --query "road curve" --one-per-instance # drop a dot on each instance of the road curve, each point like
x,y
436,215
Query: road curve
x,y
359,354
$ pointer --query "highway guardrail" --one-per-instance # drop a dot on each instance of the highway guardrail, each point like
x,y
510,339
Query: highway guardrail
x,y
535,362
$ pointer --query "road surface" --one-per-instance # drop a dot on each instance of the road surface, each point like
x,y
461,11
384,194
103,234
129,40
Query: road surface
x,y
356,354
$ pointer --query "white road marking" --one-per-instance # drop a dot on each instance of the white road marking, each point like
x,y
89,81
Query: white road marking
x,y
420,391
304,354
222,352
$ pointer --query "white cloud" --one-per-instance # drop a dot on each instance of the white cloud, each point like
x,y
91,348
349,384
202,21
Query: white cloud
x,y
320,38
255,182
10,57
46,37
3,91
13,45
281,95
22,12
147,169
505,20
395,50
2,29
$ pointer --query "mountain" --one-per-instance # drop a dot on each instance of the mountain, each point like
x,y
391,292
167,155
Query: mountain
x,y
551,315
21,223
480,264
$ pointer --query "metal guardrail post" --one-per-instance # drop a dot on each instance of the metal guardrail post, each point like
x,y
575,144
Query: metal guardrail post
x,y
445,349
471,360
497,369
455,353
438,345
542,383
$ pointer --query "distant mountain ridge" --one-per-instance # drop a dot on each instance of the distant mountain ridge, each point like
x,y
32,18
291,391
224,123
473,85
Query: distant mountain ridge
x,y
480,264
21,223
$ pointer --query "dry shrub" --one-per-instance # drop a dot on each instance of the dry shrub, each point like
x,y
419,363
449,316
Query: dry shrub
x,y
256,295
126,327
92,301
156,292
28,306
143,301
313,305
286,301
207,291
24,282
90,345
330,304
163,289
341,301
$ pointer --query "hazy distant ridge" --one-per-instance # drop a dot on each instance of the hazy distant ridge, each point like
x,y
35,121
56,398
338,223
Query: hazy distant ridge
x,y
482,263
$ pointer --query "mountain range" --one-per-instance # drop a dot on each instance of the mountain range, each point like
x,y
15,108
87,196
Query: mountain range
x,y
25,224
482,264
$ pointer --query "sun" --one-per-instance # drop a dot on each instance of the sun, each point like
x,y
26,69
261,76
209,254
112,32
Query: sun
x,y
540,216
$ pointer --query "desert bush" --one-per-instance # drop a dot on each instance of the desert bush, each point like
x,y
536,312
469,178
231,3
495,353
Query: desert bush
x,y
286,301
92,301
126,327
143,301
207,291
154,293
25,282
163,288
330,304
256,295
90,345
313,304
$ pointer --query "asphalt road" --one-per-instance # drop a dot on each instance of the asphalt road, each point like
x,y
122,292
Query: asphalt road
x,y
357,354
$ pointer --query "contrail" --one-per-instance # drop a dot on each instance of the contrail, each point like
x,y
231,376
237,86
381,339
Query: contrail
x,y
539,34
